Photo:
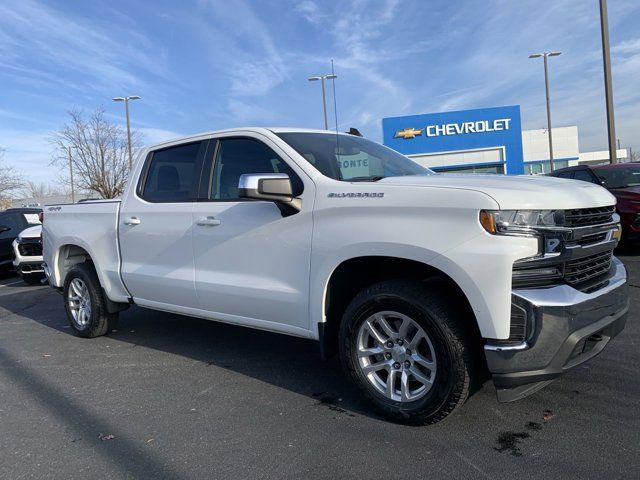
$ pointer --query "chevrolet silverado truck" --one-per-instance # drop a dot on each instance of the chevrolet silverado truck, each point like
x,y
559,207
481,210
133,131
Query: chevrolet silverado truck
x,y
420,281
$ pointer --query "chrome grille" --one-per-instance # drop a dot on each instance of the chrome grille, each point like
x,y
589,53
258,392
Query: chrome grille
x,y
587,268
584,257
585,217
591,239
30,249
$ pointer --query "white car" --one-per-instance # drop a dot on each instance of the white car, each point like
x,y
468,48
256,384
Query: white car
x,y
27,249
419,280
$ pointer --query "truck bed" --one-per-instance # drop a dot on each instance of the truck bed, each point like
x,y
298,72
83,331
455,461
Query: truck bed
x,y
93,226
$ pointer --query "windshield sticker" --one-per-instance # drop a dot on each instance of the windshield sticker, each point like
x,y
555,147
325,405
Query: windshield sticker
x,y
31,218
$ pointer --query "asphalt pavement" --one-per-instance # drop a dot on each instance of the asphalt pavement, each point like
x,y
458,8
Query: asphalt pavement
x,y
171,397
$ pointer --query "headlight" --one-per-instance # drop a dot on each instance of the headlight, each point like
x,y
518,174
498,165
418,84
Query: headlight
x,y
520,222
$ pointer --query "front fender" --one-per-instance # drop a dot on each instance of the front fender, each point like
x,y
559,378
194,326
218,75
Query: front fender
x,y
481,267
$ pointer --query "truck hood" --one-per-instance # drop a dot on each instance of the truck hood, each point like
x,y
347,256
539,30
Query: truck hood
x,y
31,232
517,191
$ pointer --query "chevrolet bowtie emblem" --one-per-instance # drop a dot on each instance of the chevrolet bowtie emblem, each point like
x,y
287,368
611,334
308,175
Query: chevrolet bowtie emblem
x,y
408,133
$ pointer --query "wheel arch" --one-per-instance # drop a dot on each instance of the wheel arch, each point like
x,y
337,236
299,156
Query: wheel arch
x,y
71,254
68,256
354,274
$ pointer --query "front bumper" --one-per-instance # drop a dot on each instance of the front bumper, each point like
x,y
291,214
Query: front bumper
x,y
567,327
26,264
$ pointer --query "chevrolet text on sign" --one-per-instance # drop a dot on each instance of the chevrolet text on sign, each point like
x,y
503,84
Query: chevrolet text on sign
x,y
468,127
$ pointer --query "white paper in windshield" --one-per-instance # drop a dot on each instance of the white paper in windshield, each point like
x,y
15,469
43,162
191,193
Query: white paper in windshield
x,y
32,218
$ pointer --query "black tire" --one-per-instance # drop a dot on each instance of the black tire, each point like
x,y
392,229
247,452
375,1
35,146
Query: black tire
x,y
100,320
442,321
32,279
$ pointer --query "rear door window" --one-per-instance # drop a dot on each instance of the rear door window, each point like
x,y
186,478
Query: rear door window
x,y
172,174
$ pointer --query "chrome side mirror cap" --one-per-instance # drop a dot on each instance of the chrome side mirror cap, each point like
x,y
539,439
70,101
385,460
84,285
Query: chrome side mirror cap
x,y
273,187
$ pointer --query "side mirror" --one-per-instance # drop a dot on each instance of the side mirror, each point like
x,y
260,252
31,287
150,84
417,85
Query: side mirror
x,y
274,187
4,228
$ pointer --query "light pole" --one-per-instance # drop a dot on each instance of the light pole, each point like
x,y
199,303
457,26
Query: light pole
x,y
126,109
73,195
322,78
545,55
608,85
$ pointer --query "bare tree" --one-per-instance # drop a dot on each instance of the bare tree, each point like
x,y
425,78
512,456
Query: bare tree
x,y
35,190
98,152
10,180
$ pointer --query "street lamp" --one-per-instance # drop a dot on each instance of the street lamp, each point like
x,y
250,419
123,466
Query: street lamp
x,y
322,78
126,109
545,55
608,87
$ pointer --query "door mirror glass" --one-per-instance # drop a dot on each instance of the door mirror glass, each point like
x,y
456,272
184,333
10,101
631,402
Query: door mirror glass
x,y
274,187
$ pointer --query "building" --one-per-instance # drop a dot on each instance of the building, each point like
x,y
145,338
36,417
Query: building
x,y
487,140
600,157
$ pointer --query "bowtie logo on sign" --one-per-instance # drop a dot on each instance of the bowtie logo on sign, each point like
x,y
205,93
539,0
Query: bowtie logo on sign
x,y
407,133
481,126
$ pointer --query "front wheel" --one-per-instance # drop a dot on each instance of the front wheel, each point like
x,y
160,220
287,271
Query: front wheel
x,y
85,303
407,351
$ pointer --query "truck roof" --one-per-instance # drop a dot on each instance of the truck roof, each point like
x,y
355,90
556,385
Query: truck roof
x,y
262,130
23,210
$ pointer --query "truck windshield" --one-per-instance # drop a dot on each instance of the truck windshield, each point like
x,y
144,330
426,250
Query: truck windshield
x,y
350,158
619,177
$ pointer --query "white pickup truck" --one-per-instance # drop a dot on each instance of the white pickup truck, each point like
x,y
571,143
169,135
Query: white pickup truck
x,y
422,282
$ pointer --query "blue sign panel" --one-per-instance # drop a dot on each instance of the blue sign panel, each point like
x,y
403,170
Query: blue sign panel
x,y
479,129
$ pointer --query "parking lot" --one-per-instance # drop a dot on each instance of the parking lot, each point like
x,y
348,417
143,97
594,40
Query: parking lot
x,y
166,396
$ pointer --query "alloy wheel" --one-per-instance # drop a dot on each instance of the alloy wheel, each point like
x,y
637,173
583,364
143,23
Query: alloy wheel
x,y
396,356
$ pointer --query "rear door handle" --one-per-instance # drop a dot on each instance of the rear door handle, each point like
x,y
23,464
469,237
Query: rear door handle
x,y
208,222
132,221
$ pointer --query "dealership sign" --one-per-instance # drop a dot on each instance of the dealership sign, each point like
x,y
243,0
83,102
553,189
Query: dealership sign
x,y
456,128
459,131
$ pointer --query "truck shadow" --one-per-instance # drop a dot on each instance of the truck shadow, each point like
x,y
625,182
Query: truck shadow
x,y
283,361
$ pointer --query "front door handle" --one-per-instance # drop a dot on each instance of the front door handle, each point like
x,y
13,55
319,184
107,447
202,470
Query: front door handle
x,y
132,221
208,222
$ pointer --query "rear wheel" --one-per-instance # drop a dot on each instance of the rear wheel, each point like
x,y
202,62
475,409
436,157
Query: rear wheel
x,y
406,350
85,303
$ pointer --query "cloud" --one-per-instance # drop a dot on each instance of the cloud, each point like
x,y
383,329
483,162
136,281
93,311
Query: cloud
x,y
310,11
222,64
241,112
627,47
72,46
152,136
245,46
28,152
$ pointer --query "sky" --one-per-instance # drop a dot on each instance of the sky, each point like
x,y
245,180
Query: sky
x,y
202,65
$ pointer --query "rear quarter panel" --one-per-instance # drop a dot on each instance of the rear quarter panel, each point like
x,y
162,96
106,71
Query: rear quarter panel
x,y
92,226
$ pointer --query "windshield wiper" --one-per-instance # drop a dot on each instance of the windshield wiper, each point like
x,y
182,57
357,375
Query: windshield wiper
x,y
371,178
